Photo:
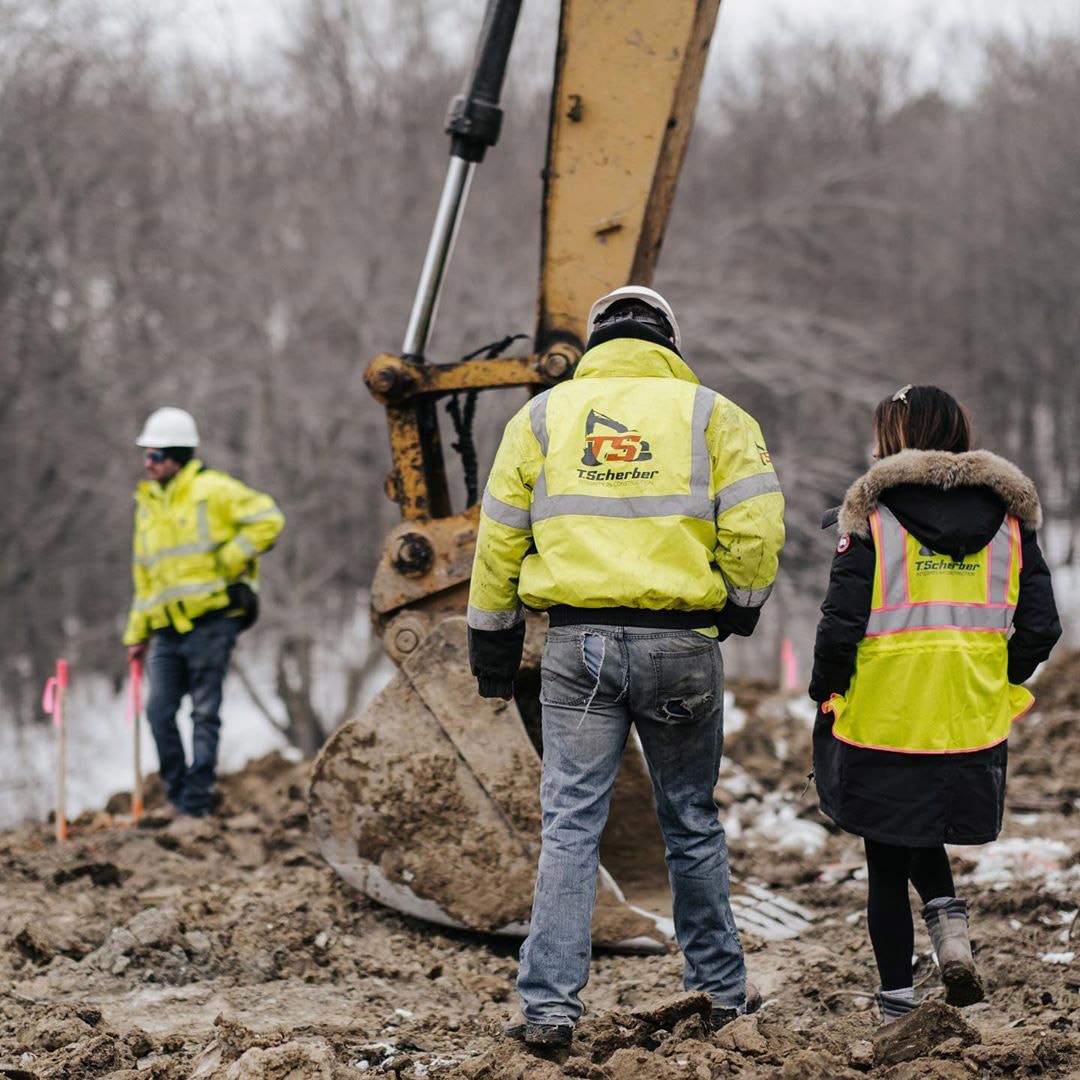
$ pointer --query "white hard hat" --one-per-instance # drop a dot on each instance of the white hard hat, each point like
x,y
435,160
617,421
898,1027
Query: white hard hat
x,y
169,427
633,292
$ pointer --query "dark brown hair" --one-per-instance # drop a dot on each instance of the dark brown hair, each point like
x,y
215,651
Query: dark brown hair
x,y
921,418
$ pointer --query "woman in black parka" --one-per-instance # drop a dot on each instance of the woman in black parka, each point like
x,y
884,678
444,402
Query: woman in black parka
x,y
958,507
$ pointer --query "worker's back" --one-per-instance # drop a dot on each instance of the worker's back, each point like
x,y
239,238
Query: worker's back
x,y
616,476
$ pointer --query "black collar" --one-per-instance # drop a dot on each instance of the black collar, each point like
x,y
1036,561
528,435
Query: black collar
x,y
628,328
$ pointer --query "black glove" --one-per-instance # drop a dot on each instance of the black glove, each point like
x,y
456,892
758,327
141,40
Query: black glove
x,y
736,620
497,688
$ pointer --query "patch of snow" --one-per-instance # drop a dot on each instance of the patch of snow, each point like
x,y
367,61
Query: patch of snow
x,y
1058,957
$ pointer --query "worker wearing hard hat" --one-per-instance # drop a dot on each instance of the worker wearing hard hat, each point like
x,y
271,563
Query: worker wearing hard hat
x,y
642,512
198,537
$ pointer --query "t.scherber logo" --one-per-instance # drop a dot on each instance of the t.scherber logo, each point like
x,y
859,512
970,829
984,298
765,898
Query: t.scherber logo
x,y
614,444
932,562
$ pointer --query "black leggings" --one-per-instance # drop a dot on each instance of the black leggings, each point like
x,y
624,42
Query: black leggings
x,y
888,914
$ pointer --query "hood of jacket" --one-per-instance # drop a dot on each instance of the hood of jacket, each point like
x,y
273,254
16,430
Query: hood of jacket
x,y
632,358
953,503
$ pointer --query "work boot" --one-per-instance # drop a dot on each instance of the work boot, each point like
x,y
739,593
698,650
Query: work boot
x,y
893,1006
552,1035
548,1036
947,920
722,1015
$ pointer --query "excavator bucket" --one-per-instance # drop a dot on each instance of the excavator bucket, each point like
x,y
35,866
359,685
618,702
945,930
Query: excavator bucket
x,y
429,800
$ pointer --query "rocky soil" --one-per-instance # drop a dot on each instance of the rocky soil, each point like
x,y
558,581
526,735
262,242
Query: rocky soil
x,y
233,952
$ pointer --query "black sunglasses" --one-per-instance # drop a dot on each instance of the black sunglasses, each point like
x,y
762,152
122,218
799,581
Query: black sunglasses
x,y
156,456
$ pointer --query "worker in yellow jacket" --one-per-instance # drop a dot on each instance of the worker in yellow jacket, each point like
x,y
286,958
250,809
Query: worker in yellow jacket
x,y
641,511
198,537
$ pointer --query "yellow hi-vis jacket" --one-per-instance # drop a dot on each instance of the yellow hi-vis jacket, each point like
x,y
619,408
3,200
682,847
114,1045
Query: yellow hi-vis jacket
x,y
931,671
200,533
628,486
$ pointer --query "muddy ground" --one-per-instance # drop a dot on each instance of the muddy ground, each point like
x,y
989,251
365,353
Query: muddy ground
x,y
235,952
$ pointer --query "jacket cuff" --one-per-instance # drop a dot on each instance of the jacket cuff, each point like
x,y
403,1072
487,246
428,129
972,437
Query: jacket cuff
x,y
731,619
496,688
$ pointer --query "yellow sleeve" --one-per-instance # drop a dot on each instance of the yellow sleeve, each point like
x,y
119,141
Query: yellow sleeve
x,y
505,534
749,506
257,521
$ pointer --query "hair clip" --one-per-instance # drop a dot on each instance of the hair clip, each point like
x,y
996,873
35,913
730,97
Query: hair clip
x,y
901,394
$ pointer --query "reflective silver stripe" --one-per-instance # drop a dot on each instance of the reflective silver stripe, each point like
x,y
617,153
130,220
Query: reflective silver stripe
x,y
613,506
252,518
538,420
246,546
943,616
177,591
1000,551
168,553
505,514
747,598
495,620
749,487
892,558
700,460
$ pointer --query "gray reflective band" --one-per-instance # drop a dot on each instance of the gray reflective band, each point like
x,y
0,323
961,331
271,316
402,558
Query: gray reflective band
x,y
700,460
1000,557
175,593
747,598
538,420
750,487
943,616
168,553
892,557
246,546
495,620
612,506
504,513
252,518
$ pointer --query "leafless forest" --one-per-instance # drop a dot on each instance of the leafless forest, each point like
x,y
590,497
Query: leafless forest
x,y
181,231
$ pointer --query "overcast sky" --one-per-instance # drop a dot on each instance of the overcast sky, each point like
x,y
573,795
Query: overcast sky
x,y
247,28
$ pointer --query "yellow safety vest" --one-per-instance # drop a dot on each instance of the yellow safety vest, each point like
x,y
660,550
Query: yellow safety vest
x,y
930,673
629,486
194,537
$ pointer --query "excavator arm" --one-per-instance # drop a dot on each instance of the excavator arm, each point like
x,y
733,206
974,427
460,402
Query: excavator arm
x,y
428,800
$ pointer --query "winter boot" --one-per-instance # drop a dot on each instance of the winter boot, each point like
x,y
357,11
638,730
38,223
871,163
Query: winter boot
x,y
947,920
893,1006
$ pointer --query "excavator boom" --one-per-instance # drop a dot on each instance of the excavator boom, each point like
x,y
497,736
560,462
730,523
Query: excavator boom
x,y
428,800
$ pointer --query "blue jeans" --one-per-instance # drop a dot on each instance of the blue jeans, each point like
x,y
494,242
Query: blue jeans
x,y
595,682
194,663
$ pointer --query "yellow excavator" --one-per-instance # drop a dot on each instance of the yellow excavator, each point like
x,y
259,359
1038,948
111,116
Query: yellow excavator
x,y
428,801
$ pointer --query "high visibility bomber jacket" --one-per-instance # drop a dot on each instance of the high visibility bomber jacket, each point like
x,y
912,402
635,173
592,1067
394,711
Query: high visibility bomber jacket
x,y
629,487
196,536
936,564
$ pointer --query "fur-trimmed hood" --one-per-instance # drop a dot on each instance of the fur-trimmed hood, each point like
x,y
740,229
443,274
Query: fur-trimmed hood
x,y
938,469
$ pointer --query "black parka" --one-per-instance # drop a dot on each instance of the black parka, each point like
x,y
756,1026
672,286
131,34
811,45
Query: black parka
x,y
954,504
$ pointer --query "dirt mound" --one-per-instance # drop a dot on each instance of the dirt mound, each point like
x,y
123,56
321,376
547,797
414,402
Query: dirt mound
x,y
234,952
